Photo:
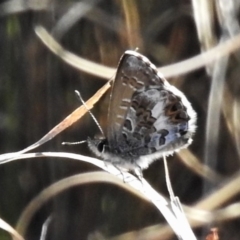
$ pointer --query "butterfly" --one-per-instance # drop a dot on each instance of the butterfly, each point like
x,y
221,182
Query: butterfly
x,y
147,117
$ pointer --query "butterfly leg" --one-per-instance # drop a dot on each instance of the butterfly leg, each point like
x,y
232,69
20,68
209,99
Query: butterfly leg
x,y
120,170
138,173
106,162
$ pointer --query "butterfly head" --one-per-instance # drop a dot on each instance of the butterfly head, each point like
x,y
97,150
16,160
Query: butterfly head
x,y
98,145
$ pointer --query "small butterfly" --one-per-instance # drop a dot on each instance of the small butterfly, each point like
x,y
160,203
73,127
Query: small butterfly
x,y
147,117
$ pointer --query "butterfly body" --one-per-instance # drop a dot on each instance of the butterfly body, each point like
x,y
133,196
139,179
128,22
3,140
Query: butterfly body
x,y
147,118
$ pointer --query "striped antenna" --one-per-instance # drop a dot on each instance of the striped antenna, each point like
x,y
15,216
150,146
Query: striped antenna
x,y
85,105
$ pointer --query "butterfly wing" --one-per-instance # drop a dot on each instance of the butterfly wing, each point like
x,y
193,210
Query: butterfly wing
x,y
147,115
134,73
159,121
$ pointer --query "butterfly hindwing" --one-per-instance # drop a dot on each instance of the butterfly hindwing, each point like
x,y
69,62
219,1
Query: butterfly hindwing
x,y
156,119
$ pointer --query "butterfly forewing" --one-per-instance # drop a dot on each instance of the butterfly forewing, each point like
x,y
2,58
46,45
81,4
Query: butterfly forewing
x,y
134,73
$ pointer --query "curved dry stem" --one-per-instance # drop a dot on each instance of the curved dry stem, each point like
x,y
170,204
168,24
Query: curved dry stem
x,y
213,115
205,25
158,231
230,110
132,23
183,67
222,195
73,60
171,212
63,185
67,122
198,215
191,161
17,6
5,226
236,122
203,59
72,16
205,217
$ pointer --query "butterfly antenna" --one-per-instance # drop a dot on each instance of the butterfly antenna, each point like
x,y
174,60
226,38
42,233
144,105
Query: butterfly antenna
x,y
85,105
73,143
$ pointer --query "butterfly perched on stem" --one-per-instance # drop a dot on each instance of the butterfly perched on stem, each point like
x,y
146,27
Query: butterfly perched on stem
x,y
147,117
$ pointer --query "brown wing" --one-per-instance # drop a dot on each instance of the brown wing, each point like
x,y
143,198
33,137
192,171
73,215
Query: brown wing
x,y
134,73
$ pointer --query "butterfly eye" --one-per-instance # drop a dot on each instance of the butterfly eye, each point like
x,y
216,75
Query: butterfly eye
x,y
102,145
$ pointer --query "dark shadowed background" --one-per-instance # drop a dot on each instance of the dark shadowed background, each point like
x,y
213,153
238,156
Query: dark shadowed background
x,y
37,92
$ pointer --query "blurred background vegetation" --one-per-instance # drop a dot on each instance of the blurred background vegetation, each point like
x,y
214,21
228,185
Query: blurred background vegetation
x,y
37,92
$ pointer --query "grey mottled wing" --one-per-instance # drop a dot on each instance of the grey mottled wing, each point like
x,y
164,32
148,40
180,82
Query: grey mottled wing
x,y
156,120
147,116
